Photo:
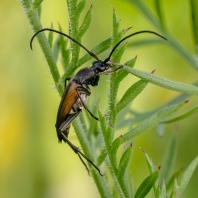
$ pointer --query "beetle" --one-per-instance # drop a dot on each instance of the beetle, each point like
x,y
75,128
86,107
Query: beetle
x,y
77,90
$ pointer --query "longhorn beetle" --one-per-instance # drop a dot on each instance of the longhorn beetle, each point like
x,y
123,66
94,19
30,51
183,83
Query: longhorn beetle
x,y
77,90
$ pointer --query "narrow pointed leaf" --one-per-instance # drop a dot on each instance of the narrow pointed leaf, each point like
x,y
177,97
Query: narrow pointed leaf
x,y
187,175
86,23
37,3
170,182
113,87
158,10
65,53
106,132
152,169
194,17
149,161
102,156
113,152
50,37
108,137
131,185
102,122
97,49
144,42
163,82
39,10
56,49
122,173
163,190
182,116
116,25
124,162
146,11
174,193
146,185
122,73
79,8
150,122
131,94
169,158
119,52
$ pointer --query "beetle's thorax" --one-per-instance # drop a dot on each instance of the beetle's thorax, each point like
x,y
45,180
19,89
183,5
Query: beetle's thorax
x,y
89,75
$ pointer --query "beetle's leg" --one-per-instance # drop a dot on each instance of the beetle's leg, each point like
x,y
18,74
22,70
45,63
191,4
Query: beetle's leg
x,y
77,151
67,79
111,72
86,91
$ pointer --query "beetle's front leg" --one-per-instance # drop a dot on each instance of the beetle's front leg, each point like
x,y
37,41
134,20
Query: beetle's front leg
x,y
111,72
86,91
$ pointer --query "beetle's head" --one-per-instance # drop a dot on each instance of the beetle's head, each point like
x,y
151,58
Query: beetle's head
x,y
99,66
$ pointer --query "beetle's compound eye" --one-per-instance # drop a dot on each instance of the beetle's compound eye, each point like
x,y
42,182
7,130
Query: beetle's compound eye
x,y
99,66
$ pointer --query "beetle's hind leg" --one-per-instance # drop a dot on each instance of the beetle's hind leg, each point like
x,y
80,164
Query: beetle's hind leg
x,y
80,154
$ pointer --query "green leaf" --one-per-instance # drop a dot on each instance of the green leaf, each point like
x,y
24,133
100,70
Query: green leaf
x,y
152,169
102,156
122,73
56,49
124,162
122,170
163,82
113,87
169,159
150,122
146,11
37,3
144,42
146,185
106,132
97,49
182,116
39,10
141,6
115,35
131,94
158,10
102,122
194,8
50,36
163,190
119,52
174,193
170,183
65,53
113,152
86,23
149,161
186,176
79,9
130,184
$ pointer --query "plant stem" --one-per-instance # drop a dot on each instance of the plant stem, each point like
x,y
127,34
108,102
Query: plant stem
x,y
32,14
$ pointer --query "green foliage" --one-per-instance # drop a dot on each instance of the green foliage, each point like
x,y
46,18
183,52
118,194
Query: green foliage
x,y
146,185
117,167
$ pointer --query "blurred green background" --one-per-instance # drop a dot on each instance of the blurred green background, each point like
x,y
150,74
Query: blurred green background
x,y
32,163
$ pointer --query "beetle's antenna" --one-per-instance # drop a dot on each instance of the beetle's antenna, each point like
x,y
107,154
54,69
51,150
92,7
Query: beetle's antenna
x,y
144,31
63,34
